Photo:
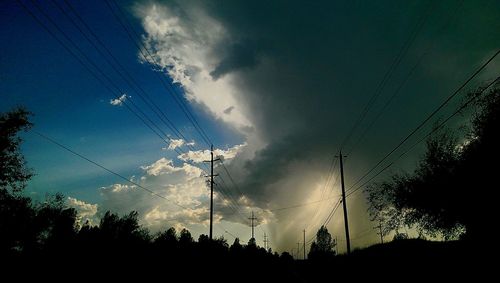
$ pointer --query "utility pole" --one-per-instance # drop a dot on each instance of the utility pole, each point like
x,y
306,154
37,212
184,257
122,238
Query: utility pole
x,y
252,219
298,250
380,231
348,241
212,186
304,244
336,246
265,241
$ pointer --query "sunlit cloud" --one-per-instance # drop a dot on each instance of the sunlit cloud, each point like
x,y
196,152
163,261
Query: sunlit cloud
x,y
200,156
118,101
175,143
86,211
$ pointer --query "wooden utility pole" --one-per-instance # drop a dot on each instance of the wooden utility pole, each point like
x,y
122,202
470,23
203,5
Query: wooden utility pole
x,y
344,204
265,242
304,244
212,187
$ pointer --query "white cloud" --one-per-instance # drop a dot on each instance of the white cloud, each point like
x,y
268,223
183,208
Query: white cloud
x,y
118,101
183,48
192,171
86,211
160,167
199,156
119,187
175,143
181,185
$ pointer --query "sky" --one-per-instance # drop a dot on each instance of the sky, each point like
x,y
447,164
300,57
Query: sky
x,y
278,87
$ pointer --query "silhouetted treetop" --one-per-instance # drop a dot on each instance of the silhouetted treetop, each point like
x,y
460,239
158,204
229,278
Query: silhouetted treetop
x,y
13,171
322,247
437,197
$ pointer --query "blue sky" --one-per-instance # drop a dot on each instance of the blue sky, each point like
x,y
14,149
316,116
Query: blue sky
x,y
275,85
73,107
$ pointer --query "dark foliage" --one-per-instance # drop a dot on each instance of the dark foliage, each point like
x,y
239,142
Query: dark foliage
x,y
450,191
322,247
13,171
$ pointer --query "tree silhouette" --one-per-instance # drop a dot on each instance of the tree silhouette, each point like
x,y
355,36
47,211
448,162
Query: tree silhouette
x,y
16,213
252,243
167,238
185,239
438,198
55,224
13,171
322,247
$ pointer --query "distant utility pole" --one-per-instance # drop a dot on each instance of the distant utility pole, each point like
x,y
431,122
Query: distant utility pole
x,y
348,241
265,241
380,231
304,244
212,186
252,219
298,249
336,246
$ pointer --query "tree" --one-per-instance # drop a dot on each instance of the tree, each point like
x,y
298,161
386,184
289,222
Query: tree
x,y
16,211
322,247
439,196
252,243
13,171
185,239
286,257
122,230
167,238
236,247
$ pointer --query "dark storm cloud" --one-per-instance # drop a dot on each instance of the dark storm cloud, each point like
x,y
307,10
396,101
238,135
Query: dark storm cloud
x,y
304,70
319,62
228,110
237,56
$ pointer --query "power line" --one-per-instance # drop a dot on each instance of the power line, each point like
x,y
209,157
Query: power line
x,y
231,178
145,52
443,104
46,28
226,231
124,74
230,203
333,166
91,71
236,206
142,48
302,204
162,135
337,205
405,80
459,110
388,74
108,170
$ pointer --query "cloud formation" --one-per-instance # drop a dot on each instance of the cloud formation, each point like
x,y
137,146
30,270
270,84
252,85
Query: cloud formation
x,y
199,156
86,211
184,195
175,143
118,101
160,167
292,83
